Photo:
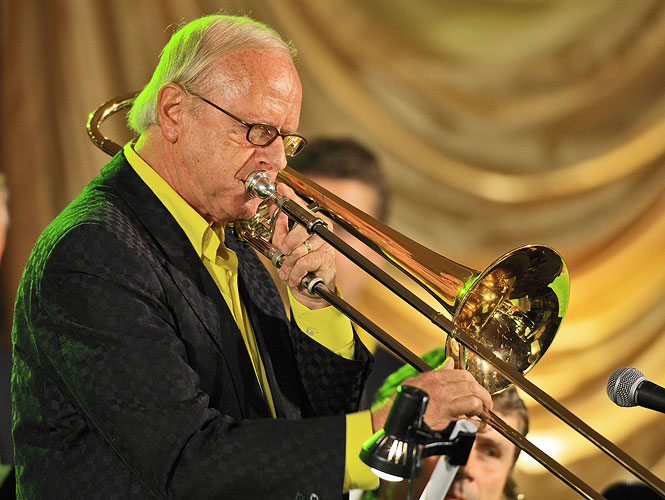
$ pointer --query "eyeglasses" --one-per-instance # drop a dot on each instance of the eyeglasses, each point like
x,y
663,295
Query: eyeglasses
x,y
263,134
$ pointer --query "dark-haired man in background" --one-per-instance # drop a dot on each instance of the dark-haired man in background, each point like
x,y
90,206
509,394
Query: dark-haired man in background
x,y
353,172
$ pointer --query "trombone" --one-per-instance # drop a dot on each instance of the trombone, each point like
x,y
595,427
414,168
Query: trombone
x,y
503,318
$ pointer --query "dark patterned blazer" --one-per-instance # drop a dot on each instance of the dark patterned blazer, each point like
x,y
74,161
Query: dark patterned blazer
x,y
131,379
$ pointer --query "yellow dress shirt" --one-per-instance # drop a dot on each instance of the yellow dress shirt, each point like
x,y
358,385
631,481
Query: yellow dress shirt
x,y
222,264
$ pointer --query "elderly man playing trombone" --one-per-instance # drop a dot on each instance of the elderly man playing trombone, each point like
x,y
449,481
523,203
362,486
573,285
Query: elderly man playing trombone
x,y
152,355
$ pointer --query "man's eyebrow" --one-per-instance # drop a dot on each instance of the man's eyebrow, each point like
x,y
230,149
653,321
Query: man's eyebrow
x,y
480,438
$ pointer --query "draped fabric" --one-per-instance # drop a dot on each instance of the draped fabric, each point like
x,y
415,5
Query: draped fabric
x,y
498,122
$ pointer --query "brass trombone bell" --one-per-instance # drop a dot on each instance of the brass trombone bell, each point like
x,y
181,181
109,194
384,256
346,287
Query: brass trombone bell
x,y
515,308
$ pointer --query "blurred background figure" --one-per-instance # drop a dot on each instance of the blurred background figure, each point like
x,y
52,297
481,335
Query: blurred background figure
x,y
351,171
487,474
6,448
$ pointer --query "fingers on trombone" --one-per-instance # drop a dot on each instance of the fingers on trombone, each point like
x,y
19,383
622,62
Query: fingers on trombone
x,y
293,242
471,399
480,423
281,229
448,364
286,190
477,391
470,405
320,261
303,256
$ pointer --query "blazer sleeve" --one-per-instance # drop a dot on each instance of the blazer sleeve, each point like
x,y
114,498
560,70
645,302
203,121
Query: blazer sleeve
x,y
334,384
95,324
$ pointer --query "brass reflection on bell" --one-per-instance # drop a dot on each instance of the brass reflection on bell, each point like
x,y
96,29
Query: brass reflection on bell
x,y
514,308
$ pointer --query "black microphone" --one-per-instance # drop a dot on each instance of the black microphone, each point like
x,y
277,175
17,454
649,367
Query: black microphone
x,y
629,387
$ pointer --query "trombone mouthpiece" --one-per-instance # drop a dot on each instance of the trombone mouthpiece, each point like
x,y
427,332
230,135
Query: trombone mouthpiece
x,y
259,184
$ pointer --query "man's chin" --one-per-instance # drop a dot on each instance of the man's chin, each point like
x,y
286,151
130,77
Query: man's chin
x,y
248,212
245,211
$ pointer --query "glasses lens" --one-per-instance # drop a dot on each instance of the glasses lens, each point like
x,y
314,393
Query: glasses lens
x,y
261,134
293,144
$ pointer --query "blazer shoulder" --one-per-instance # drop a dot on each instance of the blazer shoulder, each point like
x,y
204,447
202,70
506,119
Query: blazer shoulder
x,y
98,222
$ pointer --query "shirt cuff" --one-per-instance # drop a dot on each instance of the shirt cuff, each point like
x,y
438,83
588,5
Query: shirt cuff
x,y
357,474
327,326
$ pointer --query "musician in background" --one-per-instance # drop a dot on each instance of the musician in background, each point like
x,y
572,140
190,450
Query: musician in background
x,y
352,172
487,474
152,355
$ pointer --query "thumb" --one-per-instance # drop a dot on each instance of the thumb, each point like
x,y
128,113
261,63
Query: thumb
x,y
448,364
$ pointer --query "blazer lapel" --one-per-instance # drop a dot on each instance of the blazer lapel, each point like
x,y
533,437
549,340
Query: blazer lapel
x,y
271,329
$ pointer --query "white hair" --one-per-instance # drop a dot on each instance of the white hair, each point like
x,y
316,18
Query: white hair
x,y
190,52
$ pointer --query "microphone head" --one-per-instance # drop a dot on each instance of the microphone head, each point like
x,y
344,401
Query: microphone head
x,y
622,384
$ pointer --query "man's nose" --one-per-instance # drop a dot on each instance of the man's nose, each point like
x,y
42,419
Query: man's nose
x,y
272,156
469,470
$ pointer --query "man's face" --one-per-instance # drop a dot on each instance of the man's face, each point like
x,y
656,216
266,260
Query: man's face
x,y
482,478
212,156
486,472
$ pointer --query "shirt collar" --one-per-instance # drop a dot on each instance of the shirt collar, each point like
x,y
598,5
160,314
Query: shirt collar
x,y
206,240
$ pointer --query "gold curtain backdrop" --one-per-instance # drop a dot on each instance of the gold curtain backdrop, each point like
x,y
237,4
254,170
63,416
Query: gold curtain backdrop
x,y
499,123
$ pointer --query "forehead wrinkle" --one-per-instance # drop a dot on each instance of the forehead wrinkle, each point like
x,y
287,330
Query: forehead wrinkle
x,y
265,75
231,87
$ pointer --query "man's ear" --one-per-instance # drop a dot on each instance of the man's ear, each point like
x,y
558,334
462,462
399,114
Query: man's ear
x,y
170,102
